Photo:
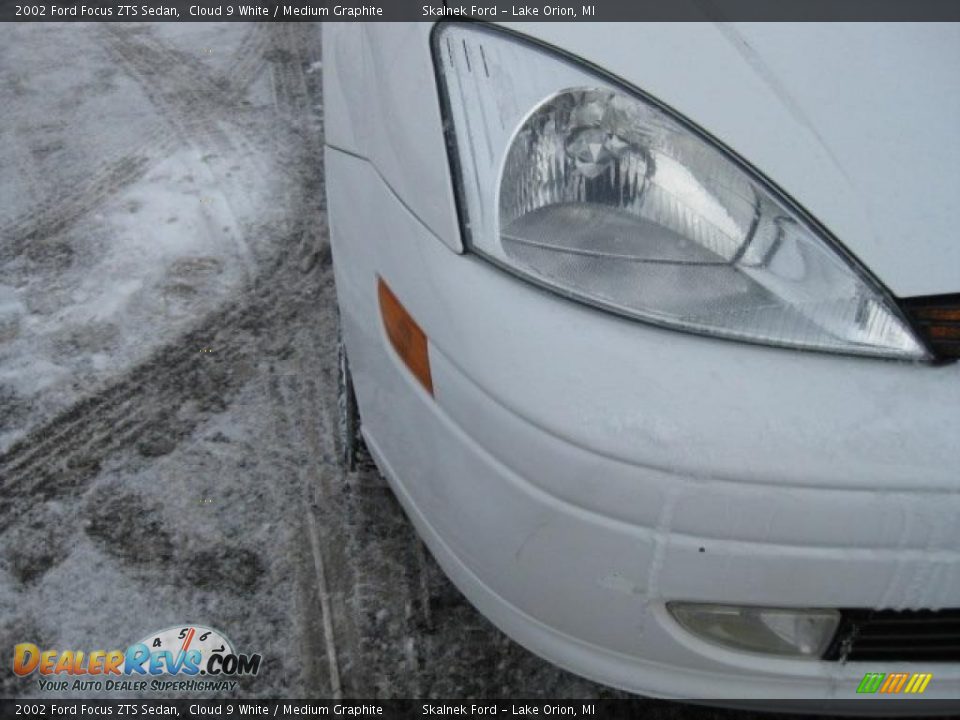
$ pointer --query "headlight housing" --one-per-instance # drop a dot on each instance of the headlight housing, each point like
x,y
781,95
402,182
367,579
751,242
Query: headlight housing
x,y
599,193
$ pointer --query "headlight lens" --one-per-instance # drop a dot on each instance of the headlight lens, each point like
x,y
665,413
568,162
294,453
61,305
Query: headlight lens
x,y
586,188
773,631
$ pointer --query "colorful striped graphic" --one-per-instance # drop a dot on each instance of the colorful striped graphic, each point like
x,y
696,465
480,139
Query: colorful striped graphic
x,y
895,683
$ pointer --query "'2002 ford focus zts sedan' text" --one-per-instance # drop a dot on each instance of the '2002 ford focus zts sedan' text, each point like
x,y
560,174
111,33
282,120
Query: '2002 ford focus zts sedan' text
x,y
652,330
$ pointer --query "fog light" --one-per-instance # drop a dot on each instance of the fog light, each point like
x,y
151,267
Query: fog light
x,y
773,631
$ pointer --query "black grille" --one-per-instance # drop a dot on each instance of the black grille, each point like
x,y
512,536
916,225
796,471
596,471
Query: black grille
x,y
916,635
937,318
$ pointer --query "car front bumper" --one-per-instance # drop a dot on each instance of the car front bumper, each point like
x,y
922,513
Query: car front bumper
x,y
575,471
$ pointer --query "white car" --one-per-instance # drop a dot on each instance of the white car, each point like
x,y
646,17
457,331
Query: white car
x,y
652,329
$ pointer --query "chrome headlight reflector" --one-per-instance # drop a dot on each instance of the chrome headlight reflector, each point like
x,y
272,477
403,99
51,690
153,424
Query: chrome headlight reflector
x,y
594,191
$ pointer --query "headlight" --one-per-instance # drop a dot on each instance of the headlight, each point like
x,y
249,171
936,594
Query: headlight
x,y
598,193
774,631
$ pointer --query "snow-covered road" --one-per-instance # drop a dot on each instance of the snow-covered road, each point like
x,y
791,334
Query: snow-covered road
x,y
167,348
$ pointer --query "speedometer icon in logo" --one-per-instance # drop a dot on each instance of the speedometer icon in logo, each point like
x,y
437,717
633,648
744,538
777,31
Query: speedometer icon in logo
x,y
188,650
183,639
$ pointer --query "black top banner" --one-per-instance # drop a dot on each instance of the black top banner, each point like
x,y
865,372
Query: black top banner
x,y
490,10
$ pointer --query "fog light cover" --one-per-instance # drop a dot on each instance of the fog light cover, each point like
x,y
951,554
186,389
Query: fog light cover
x,y
788,632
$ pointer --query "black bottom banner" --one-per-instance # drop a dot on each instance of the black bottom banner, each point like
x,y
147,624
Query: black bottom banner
x,y
401,709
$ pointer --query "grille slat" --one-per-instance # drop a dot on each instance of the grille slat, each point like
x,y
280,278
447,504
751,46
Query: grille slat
x,y
917,617
928,640
919,635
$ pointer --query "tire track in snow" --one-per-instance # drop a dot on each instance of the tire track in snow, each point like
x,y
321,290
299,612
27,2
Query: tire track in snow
x,y
201,107
248,61
373,606
150,61
286,398
60,456
291,52
177,85
57,214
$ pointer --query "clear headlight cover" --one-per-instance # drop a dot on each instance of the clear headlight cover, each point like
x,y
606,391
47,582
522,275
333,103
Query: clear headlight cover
x,y
589,189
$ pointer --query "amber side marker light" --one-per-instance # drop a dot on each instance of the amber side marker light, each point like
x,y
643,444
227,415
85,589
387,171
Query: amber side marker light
x,y
405,335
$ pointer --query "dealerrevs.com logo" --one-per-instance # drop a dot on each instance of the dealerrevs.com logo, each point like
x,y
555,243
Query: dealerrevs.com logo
x,y
184,652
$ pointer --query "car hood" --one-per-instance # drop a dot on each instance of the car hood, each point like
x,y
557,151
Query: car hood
x,y
857,122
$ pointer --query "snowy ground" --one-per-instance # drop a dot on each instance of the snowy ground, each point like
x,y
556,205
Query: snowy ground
x,y
167,340
167,388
